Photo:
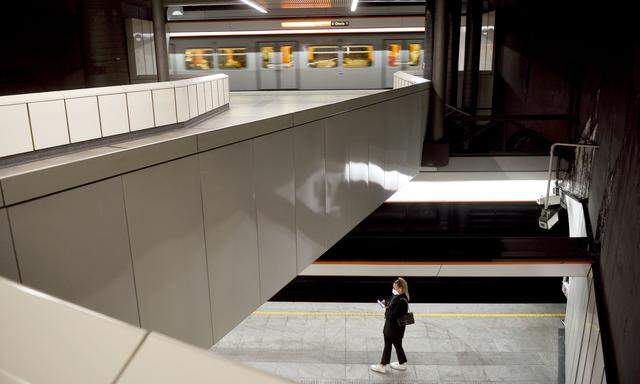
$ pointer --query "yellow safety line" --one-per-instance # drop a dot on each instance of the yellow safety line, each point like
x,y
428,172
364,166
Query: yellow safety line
x,y
380,314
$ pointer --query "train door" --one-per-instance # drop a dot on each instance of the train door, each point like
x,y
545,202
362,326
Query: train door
x,y
277,67
401,55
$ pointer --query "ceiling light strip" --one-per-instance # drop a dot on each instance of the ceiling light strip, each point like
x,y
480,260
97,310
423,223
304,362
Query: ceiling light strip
x,y
305,24
296,31
255,6
354,5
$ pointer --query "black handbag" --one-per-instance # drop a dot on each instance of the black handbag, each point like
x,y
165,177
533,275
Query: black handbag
x,y
407,318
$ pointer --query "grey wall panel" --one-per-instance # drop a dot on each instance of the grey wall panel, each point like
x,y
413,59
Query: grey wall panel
x,y
57,174
74,245
588,342
275,206
598,366
374,120
231,234
337,175
391,148
578,299
164,211
310,192
415,132
584,361
401,130
8,265
358,136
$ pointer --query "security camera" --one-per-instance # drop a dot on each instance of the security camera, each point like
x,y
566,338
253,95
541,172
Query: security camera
x,y
553,200
548,218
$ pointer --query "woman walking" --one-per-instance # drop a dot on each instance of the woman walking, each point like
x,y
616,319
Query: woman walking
x,y
395,308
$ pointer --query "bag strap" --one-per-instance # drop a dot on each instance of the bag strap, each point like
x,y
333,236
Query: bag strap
x,y
407,301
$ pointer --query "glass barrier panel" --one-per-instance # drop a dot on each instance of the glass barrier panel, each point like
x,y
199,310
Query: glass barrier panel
x,y
232,58
198,58
357,56
322,56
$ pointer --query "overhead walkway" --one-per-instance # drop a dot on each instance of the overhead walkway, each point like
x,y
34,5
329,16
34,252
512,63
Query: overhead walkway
x,y
189,228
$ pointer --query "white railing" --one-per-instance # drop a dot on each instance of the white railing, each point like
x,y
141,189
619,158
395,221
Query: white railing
x,y
34,121
77,345
404,79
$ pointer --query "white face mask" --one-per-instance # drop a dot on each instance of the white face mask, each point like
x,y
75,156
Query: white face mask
x,y
395,293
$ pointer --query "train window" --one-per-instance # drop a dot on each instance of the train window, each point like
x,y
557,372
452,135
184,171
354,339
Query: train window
x,y
393,55
198,58
267,57
357,56
287,56
322,56
414,54
232,58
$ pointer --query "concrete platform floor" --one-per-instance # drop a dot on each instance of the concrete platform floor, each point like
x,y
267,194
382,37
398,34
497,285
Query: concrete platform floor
x,y
336,342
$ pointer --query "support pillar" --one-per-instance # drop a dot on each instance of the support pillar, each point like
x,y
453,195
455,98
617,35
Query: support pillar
x,y
472,56
435,151
454,49
160,39
427,70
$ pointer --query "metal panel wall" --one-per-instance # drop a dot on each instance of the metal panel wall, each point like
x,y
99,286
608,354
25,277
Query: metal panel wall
x,y
164,212
337,178
583,345
310,192
390,148
275,204
231,234
358,135
74,245
373,118
8,265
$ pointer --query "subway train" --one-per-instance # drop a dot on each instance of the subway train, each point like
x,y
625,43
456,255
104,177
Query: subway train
x,y
336,61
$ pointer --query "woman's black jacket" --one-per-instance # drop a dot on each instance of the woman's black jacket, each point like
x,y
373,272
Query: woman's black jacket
x,y
396,307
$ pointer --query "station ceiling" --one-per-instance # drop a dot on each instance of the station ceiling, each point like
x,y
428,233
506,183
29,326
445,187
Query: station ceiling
x,y
275,4
237,9
228,9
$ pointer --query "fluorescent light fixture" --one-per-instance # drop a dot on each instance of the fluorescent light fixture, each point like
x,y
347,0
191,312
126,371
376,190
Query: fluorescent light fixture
x,y
177,12
296,31
470,191
354,5
305,24
255,6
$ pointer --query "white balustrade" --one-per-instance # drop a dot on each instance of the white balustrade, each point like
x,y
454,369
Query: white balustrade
x,y
36,121
405,79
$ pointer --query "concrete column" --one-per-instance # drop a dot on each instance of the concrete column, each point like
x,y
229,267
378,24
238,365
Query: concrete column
x,y
472,56
454,48
439,69
436,150
160,39
428,40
